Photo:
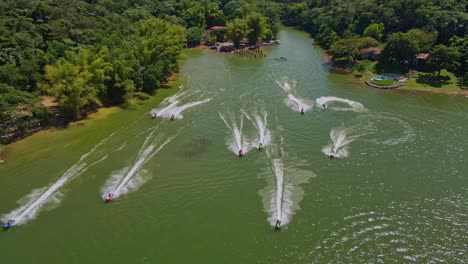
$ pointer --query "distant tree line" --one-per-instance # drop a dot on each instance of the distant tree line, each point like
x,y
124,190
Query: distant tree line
x,y
87,53
402,28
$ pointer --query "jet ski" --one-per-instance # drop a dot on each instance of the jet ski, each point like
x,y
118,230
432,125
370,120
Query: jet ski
x,y
172,117
109,197
8,224
302,111
324,106
260,146
154,116
241,153
278,224
332,154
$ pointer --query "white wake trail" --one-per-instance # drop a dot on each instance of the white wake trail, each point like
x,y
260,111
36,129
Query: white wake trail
x,y
292,101
330,100
260,123
238,140
40,197
278,170
173,106
340,140
128,179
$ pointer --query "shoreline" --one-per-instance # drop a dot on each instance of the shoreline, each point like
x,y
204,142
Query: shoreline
x,y
327,59
100,113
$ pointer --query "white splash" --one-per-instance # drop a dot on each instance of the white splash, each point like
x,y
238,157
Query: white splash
x,y
238,141
292,101
329,101
259,121
39,198
173,106
129,178
338,147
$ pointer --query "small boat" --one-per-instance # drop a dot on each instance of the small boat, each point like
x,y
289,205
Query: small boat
x,y
260,146
8,224
109,197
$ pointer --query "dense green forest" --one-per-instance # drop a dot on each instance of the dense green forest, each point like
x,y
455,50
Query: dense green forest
x,y
89,53
402,28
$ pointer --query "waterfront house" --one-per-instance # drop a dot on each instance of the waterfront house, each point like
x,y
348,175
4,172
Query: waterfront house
x,y
372,53
421,59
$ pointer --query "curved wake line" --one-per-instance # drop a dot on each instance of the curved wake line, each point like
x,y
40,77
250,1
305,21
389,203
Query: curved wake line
x,y
327,100
40,197
293,102
238,141
338,147
118,183
174,107
297,104
260,123
147,155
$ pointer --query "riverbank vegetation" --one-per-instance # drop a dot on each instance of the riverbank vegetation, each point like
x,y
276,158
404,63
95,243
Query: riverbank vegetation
x,y
400,30
87,54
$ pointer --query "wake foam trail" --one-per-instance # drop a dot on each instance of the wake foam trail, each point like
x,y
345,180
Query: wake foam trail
x,y
260,123
173,106
277,202
292,101
287,85
384,129
339,143
238,140
328,100
39,198
297,104
282,195
129,178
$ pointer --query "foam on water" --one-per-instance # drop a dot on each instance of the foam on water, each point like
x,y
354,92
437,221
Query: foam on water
x,y
39,198
283,193
329,101
259,121
129,179
405,231
339,143
292,101
173,105
237,141
385,129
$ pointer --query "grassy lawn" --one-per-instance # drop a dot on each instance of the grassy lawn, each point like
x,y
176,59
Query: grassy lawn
x,y
422,81
431,81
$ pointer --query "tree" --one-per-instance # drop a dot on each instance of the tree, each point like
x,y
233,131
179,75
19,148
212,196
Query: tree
x,y
375,31
443,57
461,44
78,81
194,36
257,26
400,47
346,51
237,29
424,38
327,37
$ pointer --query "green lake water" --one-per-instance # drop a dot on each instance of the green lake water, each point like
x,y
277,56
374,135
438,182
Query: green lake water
x,y
395,191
